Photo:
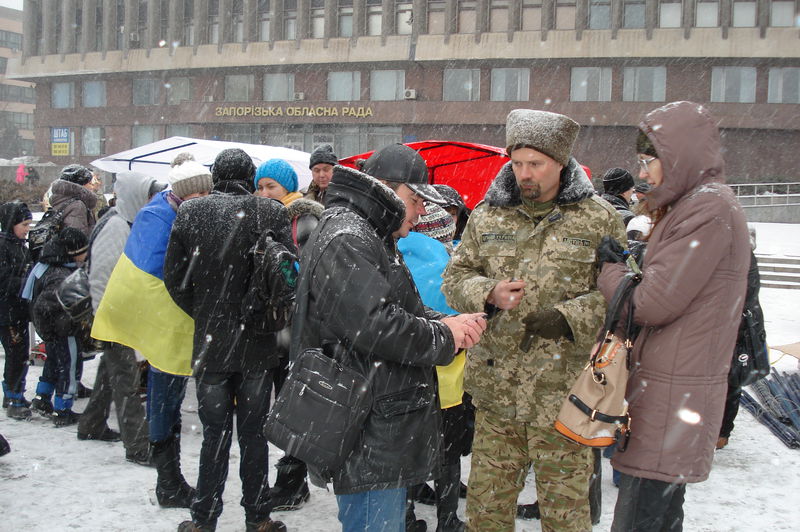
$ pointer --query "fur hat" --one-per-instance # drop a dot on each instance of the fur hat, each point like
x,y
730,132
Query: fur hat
x,y
75,173
280,171
233,164
73,241
398,163
323,154
550,133
181,158
436,223
188,178
617,181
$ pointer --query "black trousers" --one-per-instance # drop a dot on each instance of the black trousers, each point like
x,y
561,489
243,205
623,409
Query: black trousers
x,y
219,397
15,345
646,505
731,409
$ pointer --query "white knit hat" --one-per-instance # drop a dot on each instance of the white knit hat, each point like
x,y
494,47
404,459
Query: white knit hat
x,y
190,177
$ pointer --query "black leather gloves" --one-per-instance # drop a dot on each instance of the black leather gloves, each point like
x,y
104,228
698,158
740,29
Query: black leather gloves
x,y
546,323
610,250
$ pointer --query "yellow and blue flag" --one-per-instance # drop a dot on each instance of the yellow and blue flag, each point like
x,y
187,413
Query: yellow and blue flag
x,y
136,309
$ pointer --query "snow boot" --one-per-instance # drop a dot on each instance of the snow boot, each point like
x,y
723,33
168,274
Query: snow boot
x,y
5,448
42,404
412,523
172,491
290,491
190,526
108,434
63,418
447,488
267,525
18,410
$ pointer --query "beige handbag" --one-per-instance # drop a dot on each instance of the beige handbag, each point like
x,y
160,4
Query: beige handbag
x,y
595,412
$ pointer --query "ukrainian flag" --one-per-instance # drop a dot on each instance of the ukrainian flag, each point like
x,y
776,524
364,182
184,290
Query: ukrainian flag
x,y
136,309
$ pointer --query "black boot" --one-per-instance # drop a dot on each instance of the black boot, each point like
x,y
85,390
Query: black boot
x,y
290,491
172,491
42,404
412,523
447,489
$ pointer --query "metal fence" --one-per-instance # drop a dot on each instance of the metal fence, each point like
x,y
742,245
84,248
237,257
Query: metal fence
x,y
767,194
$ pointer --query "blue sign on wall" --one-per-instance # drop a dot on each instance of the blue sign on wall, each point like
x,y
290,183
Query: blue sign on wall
x,y
60,135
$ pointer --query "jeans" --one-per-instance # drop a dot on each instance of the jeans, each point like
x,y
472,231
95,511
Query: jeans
x,y
15,345
219,397
645,505
373,511
165,393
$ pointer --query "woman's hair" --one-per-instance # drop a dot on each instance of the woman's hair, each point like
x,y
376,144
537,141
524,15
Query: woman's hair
x,y
644,145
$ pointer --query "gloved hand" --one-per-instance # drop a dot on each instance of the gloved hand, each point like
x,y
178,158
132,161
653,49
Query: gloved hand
x,y
610,250
546,323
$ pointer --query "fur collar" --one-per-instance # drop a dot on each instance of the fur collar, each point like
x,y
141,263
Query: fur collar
x,y
575,186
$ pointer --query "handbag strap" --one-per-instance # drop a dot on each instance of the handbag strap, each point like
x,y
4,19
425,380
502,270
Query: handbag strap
x,y
621,296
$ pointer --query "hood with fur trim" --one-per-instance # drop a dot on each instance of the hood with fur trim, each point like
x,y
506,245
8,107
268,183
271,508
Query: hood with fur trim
x,y
575,186
368,197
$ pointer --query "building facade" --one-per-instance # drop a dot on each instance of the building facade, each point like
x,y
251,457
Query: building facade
x,y
111,75
17,98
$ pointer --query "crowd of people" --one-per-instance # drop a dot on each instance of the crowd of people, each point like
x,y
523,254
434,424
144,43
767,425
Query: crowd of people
x,y
470,327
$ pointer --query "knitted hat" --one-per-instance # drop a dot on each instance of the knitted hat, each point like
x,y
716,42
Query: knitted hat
x,y
323,154
75,173
73,240
280,171
233,164
400,164
642,188
550,133
617,181
436,223
188,178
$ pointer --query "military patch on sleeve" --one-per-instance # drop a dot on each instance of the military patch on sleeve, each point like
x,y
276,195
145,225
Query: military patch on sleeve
x,y
498,237
576,241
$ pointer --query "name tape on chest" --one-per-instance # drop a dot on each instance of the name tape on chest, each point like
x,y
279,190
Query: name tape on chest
x,y
582,242
498,237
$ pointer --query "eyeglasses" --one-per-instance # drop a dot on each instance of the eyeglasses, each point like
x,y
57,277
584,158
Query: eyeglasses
x,y
644,162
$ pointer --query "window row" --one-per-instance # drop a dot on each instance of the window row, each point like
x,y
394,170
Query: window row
x,y
18,120
14,93
10,39
587,84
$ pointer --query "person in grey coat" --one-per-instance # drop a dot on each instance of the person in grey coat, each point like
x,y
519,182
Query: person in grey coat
x,y
72,194
118,374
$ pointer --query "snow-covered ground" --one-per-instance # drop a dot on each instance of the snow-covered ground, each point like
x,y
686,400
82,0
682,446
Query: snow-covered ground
x,y
51,481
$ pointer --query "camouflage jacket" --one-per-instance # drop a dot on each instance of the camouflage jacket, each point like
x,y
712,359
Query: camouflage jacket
x,y
556,258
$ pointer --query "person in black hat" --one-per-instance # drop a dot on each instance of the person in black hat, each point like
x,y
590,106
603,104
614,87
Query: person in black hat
x,y
617,190
454,204
321,164
356,296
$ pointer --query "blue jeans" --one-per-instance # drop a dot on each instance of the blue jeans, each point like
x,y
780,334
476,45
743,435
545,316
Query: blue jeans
x,y
373,511
165,393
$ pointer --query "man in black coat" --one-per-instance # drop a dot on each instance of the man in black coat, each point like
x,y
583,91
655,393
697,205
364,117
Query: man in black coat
x,y
206,271
618,190
357,301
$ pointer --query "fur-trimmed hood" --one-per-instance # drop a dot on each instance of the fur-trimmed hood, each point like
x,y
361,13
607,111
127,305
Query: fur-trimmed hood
x,y
303,207
575,186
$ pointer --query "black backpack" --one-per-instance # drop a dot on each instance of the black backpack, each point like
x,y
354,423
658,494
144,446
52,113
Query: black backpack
x,y
45,229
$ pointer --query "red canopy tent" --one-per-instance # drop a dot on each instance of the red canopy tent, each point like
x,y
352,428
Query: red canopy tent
x,y
467,167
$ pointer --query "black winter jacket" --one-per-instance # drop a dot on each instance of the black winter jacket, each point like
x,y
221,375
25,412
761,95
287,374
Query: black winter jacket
x,y
49,318
622,206
14,263
361,300
207,270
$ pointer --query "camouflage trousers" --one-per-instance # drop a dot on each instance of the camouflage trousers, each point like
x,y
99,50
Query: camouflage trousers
x,y
502,453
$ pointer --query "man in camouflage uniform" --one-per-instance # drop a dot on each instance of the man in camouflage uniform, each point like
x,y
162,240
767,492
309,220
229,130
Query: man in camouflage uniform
x,y
528,259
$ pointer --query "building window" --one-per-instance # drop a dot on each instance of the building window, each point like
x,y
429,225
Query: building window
x,y
784,85
733,84
707,15
178,130
510,84
744,14
278,87
263,20
317,16
344,86
289,20
3,64
633,15
531,15
237,21
63,95
144,135
387,85
565,14
669,14
239,87
66,141
14,93
462,84
345,18
467,13
178,90
145,92
374,17
436,17
93,142
94,94
781,14
498,15
590,84
599,14
213,21
10,39
188,22
644,84
18,120
403,18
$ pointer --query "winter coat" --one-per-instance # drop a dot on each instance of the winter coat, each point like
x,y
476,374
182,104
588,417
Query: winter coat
x,y
556,259
77,214
14,263
207,270
622,207
132,191
689,302
315,193
50,320
361,299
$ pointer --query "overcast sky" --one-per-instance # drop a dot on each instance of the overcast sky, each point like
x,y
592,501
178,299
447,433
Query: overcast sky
x,y
16,4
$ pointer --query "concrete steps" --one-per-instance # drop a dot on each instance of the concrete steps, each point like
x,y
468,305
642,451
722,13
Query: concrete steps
x,y
779,271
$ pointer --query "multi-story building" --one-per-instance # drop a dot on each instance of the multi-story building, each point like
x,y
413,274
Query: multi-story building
x,y
17,98
115,74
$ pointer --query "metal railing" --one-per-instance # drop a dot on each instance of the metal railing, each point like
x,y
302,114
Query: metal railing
x,y
767,194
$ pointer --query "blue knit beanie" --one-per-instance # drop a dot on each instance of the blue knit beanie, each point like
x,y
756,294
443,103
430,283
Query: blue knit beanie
x,y
280,171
